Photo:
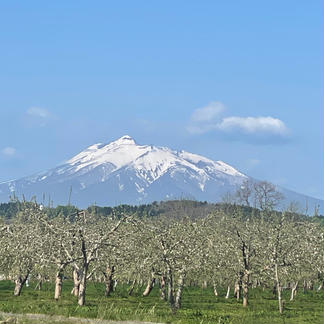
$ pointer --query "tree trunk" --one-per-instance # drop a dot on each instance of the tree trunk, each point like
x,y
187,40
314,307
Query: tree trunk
x,y
163,290
179,291
278,289
130,292
228,292
19,283
39,285
109,282
18,286
215,289
320,287
149,286
170,288
76,282
237,290
83,284
58,285
274,288
279,298
245,286
293,291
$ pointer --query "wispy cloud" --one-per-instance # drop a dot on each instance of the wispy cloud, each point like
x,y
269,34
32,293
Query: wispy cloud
x,y
9,151
208,113
39,116
39,112
205,119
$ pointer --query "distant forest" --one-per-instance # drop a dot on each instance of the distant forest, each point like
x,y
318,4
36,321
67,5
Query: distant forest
x,y
174,209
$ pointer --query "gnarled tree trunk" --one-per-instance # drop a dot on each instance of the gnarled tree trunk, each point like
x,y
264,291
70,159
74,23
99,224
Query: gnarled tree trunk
x,y
293,291
179,291
215,289
170,288
83,284
19,283
150,285
58,284
237,290
163,288
228,292
109,282
245,286
76,282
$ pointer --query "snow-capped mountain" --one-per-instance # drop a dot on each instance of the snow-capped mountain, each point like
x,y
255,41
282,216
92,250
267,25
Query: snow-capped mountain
x,y
124,172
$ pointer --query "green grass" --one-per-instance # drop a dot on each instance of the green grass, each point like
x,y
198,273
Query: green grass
x,y
199,306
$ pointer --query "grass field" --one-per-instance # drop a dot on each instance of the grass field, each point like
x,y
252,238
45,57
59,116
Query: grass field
x,y
199,306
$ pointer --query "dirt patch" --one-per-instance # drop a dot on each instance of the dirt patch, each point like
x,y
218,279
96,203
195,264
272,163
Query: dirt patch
x,y
10,318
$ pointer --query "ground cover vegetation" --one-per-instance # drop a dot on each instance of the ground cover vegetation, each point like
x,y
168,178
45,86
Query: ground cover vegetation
x,y
200,305
182,262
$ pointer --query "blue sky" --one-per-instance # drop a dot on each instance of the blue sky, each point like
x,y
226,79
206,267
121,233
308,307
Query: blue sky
x,y
238,81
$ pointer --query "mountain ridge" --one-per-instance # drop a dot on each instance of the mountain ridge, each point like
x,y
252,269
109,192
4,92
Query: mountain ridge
x,y
123,171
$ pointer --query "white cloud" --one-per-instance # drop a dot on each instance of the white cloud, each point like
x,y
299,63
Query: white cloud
x,y
9,151
208,113
37,116
253,125
39,112
251,129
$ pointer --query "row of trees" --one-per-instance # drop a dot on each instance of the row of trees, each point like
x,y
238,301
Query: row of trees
x,y
236,250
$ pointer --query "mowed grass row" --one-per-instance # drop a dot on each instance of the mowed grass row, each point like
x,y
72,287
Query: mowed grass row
x,y
199,306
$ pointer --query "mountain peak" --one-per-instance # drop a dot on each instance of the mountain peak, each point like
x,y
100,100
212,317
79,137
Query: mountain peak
x,y
126,139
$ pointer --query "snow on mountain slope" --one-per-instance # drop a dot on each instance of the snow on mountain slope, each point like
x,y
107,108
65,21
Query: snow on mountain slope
x,y
119,153
148,162
124,172
210,164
